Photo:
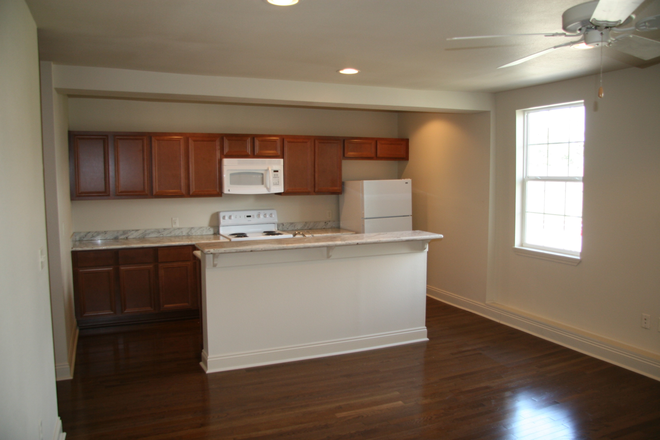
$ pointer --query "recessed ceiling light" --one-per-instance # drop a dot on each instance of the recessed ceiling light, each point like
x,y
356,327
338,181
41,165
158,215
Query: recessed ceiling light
x,y
282,2
349,71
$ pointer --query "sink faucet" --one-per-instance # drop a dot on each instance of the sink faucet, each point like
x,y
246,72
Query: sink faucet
x,y
302,234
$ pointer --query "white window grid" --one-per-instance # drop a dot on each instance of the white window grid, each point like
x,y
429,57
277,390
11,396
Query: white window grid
x,y
553,220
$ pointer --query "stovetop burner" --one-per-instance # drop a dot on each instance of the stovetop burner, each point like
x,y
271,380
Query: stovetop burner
x,y
250,225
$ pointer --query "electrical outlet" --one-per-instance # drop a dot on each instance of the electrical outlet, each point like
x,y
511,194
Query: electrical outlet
x,y
646,321
175,222
328,215
659,324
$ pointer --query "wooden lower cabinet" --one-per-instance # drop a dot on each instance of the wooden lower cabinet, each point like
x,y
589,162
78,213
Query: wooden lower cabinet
x,y
137,287
95,288
177,286
125,286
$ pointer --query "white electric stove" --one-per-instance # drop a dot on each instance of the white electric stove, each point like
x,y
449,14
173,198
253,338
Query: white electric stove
x,y
258,224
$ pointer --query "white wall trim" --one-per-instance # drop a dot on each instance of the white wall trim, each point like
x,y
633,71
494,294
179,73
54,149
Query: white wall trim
x,y
607,350
58,434
292,353
64,371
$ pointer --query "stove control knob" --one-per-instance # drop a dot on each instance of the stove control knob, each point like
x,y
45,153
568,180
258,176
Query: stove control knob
x,y
231,217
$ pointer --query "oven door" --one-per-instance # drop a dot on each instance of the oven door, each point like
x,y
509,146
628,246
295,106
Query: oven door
x,y
252,176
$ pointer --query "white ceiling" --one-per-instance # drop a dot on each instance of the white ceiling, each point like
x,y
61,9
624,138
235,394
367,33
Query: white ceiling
x,y
394,43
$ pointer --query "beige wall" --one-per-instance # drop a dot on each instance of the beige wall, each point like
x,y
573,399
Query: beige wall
x,y
58,223
619,276
28,404
449,167
133,115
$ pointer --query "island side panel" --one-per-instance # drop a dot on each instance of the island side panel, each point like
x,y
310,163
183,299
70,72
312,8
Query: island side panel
x,y
278,306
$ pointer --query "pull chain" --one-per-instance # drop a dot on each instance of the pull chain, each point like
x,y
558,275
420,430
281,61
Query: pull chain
x,y
601,91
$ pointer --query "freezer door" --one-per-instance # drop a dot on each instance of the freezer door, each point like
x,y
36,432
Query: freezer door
x,y
388,224
387,198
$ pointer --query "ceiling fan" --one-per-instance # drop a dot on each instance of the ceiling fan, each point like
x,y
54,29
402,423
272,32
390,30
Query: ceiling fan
x,y
604,23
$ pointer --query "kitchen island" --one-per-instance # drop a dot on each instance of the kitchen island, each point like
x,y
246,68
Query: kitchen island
x,y
272,301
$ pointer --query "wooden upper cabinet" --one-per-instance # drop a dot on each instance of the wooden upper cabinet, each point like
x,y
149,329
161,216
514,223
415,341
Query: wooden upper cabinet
x,y
251,146
90,157
204,166
236,146
131,165
169,166
298,166
267,146
327,166
376,148
393,149
360,148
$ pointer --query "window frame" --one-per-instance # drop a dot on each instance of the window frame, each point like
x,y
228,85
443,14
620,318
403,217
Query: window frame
x,y
521,247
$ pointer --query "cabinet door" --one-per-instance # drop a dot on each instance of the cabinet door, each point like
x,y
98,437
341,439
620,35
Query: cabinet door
x,y
359,148
327,166
95,291
204,171
237,146
131,165
90,167
298,166
169,166
393,149
267,146
176,285
137,287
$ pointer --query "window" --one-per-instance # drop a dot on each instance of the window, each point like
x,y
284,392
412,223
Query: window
x,y
550,168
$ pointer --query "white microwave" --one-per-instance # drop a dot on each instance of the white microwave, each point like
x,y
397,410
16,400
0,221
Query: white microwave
x,y
252,176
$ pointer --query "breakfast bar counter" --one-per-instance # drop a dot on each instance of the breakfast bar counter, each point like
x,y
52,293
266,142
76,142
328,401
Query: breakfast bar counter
x,y
272,301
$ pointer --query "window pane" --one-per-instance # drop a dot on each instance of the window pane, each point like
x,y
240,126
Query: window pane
x,y
539,122
558,160
537,160
574,199
535,196
576,124
576,160
555,198
553,158
559,125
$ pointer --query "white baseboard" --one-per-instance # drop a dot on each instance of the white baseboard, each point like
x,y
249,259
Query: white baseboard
x,y
64,371
309,351
604,349
58,434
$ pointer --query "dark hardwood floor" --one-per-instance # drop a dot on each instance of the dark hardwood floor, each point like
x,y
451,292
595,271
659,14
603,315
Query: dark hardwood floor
x,y
474,379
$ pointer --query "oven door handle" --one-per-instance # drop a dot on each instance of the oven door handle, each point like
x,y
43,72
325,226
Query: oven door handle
x,y
269,178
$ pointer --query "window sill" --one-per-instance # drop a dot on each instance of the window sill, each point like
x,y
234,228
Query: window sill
x,y
549,256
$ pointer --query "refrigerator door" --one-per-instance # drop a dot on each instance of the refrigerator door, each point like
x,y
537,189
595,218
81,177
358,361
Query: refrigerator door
x,y
387,198
388,224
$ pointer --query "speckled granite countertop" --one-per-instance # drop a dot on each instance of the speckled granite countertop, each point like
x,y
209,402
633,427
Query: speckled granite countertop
x,y
123,243
315,241
179,240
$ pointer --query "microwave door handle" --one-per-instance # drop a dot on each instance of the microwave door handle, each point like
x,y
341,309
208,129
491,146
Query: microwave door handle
x,y
269,177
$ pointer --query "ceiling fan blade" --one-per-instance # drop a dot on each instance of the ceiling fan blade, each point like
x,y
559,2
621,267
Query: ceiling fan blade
x,y
612,13
538,54
640,47
547,34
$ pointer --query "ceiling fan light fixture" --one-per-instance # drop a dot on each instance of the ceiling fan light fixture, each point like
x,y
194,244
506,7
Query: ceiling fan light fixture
x,y
348,71
582,46
282,2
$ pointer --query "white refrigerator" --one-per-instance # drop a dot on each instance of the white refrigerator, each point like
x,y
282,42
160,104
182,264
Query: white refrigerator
x,y
367,206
